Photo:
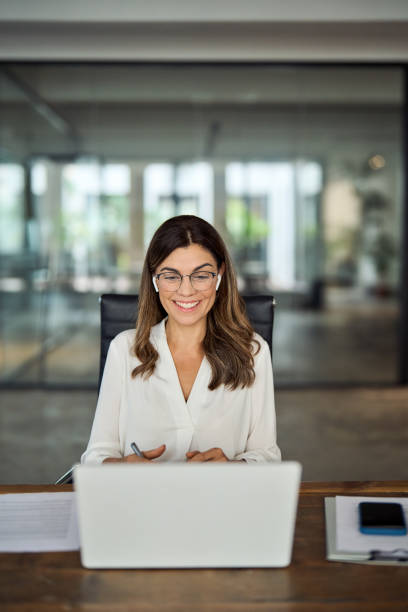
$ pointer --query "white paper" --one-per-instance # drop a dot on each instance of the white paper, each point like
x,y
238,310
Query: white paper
x,y
348,536
38,522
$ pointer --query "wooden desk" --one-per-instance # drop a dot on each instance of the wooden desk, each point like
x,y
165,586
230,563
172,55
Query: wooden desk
x,y
56,582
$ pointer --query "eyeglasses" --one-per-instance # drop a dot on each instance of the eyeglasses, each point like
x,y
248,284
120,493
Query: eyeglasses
x,y
171,281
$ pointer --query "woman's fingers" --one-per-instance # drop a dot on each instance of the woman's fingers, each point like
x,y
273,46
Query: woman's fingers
x,y
213,454
154,452
147,455
197,457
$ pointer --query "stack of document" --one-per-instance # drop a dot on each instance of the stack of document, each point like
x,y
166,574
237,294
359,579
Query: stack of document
x,y
345,542
38,522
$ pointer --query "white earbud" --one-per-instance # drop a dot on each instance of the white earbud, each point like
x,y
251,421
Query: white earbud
x,y
155,284
218,282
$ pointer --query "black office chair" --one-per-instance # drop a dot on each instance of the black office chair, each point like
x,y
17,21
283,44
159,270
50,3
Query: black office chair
x,y
119,312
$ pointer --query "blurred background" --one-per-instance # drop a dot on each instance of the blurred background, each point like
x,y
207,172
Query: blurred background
x,y
299,168
282,124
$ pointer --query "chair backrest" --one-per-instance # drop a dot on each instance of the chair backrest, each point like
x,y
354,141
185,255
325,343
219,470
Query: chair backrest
x,y
119,312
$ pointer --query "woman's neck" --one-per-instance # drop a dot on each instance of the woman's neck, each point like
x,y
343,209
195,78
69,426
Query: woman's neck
x,y
185,337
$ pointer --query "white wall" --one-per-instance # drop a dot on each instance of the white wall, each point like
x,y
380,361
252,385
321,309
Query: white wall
x,y
229,30
139,11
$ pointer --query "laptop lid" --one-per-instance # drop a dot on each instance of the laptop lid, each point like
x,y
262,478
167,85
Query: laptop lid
x,y
187,515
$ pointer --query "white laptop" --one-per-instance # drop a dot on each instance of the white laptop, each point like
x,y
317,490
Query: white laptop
x,y
187,515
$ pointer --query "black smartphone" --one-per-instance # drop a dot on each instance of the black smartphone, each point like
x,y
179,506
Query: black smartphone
x,y
382,518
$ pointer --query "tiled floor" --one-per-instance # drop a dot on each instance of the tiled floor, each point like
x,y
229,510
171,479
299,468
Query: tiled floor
x,y
336,435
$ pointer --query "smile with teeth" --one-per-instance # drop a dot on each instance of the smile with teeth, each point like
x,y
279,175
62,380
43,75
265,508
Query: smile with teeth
x,y
187,305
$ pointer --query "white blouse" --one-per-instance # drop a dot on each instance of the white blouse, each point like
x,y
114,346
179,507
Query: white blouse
x,y
153,411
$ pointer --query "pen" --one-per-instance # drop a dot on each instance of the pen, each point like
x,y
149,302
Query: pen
x,y
398,554
136,449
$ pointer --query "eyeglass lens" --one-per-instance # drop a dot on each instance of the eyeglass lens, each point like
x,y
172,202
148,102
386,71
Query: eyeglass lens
x,y
199,280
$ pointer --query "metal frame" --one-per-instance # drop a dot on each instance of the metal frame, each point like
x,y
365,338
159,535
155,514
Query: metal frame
x,y
403,324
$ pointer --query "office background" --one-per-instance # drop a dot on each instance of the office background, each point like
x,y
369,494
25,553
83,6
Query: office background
x,y
285,127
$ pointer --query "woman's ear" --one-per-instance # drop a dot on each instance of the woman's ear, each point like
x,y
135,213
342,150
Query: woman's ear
x,y
155,284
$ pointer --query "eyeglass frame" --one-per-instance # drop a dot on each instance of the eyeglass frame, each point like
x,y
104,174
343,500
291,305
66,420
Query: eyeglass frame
x,y
156,277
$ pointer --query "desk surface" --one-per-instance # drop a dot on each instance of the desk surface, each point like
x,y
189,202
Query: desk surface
x,y
56,582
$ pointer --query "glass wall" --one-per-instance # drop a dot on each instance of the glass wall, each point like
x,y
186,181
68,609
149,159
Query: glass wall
x,y
299,168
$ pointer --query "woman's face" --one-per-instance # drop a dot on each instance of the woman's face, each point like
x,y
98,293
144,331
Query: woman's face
x,y
187,305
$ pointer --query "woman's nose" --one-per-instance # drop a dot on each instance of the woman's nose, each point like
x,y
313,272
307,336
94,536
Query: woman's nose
x,y
186,287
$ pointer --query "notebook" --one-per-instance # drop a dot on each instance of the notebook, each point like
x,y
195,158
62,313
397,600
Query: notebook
x,y
344,542
187,515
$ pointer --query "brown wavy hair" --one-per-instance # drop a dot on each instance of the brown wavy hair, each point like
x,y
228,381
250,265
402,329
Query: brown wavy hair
x,y
229,343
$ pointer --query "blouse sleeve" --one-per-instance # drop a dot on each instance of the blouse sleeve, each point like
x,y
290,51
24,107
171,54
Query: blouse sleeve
x,y
104,440
261,444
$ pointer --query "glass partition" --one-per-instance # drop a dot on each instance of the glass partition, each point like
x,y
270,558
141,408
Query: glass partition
x,y
299,168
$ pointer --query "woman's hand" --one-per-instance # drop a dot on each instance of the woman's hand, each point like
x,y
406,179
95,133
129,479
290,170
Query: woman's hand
x,y
213,454
147,456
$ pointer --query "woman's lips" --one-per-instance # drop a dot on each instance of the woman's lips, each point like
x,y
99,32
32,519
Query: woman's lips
x,y
186,306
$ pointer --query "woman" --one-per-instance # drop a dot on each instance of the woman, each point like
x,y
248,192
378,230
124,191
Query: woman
x,y
193,382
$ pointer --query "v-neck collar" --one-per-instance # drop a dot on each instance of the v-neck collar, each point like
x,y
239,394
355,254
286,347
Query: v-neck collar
x,y
159,334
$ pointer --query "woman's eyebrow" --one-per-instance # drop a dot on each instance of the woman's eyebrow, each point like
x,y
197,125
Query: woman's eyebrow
x,y
195,269
202,266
